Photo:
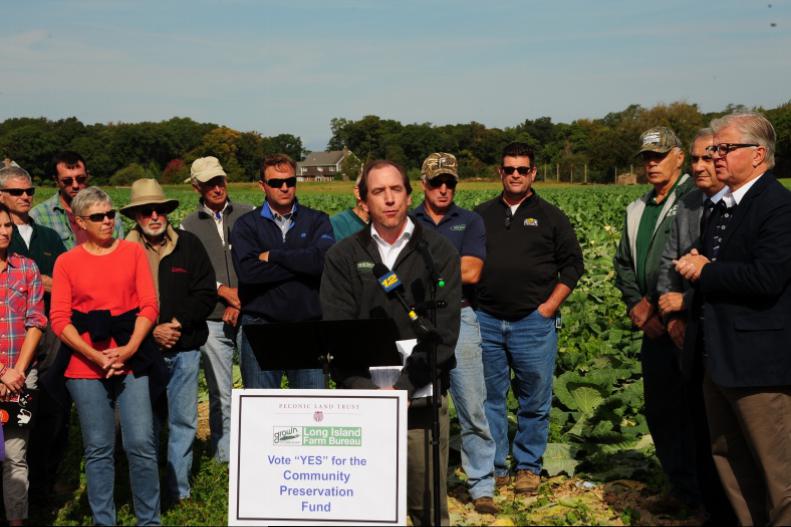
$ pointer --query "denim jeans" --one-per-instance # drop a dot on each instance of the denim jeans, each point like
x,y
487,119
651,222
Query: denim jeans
x,y
254,377
218,367
527,346
182,391
468,389
95,400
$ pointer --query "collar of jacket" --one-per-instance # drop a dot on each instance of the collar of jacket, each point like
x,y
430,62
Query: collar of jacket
x,y
202,214
171,237
367,242
525,202
266,211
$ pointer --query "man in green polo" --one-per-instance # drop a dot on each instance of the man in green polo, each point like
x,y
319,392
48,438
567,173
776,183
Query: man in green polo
x,y
645,234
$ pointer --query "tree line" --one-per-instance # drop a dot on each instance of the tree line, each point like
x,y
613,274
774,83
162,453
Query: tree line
x,y
599,148
119,153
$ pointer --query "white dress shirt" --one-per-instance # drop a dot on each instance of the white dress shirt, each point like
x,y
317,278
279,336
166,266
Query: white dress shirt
x,y
389,251
734,198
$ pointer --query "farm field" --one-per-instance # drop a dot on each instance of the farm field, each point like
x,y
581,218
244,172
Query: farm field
x,y
599,462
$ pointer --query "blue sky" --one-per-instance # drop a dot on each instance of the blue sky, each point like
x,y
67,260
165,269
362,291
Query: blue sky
x,y
290,66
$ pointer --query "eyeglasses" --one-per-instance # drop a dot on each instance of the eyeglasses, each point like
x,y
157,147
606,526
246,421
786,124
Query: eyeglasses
x,y
509,216
278,182
523,171
19,191
723,149
697,159
438,182
68,181
148,210
100,216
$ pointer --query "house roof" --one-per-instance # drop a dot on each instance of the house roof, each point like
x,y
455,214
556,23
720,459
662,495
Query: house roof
x,y
320,159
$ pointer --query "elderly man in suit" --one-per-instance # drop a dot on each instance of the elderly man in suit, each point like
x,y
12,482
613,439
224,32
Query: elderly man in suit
x,y
742,324
675,305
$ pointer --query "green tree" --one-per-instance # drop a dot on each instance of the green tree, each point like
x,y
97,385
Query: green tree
x,y
350,167
129,174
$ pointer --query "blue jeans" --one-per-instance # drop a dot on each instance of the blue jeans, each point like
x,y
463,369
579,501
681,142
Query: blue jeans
x,y
218,366
468,389
182,391
528,347
254,377
95,400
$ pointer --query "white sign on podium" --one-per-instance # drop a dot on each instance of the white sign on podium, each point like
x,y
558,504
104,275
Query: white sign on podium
x,y
322,457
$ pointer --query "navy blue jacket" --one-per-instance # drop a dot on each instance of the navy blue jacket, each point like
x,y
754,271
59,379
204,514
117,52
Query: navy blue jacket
x,y
746,294
286,288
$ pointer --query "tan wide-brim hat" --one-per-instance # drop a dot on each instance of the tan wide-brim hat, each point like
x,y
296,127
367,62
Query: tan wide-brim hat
x,y
147,192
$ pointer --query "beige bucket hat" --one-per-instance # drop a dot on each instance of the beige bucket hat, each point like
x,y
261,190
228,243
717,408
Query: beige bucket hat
x,y
148,192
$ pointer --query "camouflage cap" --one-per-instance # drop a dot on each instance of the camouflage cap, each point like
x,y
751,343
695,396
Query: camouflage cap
x,y
659,139
437,164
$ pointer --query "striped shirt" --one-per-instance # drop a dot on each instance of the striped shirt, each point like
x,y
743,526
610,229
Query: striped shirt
x,y
50,213
21,306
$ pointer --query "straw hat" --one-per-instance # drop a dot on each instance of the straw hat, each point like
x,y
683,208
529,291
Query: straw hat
x,y
148,192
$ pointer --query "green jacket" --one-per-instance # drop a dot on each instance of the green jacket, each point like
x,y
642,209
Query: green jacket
x,y
625,258
45,247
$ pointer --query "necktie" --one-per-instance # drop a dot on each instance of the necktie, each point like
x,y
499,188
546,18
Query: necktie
x,y
708,208
719,219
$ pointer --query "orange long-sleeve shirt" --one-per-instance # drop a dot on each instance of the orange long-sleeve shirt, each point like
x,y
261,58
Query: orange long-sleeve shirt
x,y
119,282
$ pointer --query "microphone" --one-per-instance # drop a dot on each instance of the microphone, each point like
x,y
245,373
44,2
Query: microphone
x,y
422,247
393,286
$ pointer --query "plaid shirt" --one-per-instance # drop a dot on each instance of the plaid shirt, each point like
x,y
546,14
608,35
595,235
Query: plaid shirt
x,y
51,214
21,306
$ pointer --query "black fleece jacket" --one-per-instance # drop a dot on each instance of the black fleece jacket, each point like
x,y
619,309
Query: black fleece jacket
x,y
350,291
527,254
187,290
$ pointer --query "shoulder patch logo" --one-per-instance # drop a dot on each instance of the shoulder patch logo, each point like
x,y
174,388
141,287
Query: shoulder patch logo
x,y
531,222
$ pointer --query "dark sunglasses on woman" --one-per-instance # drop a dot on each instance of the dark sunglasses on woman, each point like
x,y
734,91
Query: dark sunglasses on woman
x,y
100,216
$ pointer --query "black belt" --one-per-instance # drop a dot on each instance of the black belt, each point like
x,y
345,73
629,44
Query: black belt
x,y
465,303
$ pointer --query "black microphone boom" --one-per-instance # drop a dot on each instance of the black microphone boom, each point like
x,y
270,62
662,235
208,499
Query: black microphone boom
x,y
393,287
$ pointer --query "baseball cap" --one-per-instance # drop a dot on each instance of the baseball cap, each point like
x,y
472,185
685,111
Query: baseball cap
x,y
437,164
205,168
659,139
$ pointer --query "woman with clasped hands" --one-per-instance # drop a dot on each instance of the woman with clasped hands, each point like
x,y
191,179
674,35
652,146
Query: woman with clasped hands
x,y
103,307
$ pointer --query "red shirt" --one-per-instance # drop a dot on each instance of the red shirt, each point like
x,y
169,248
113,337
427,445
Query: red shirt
x,y
119,282
21,306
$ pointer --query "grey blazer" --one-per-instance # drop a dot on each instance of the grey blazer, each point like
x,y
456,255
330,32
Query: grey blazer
x,y
683,235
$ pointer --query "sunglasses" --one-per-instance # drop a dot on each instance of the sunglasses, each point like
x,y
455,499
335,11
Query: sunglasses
x,y
523,171
19,191
653,156
100,216
68,181
148,210
509,217
278,182
438,182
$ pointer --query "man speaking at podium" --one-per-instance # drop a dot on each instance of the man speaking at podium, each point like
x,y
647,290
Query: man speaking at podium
x,y
421,261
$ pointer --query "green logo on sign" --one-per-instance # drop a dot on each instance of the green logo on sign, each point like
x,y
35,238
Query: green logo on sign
x,y
332,436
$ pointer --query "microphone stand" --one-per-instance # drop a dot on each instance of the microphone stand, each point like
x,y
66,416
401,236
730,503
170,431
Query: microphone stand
x,y
436,403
